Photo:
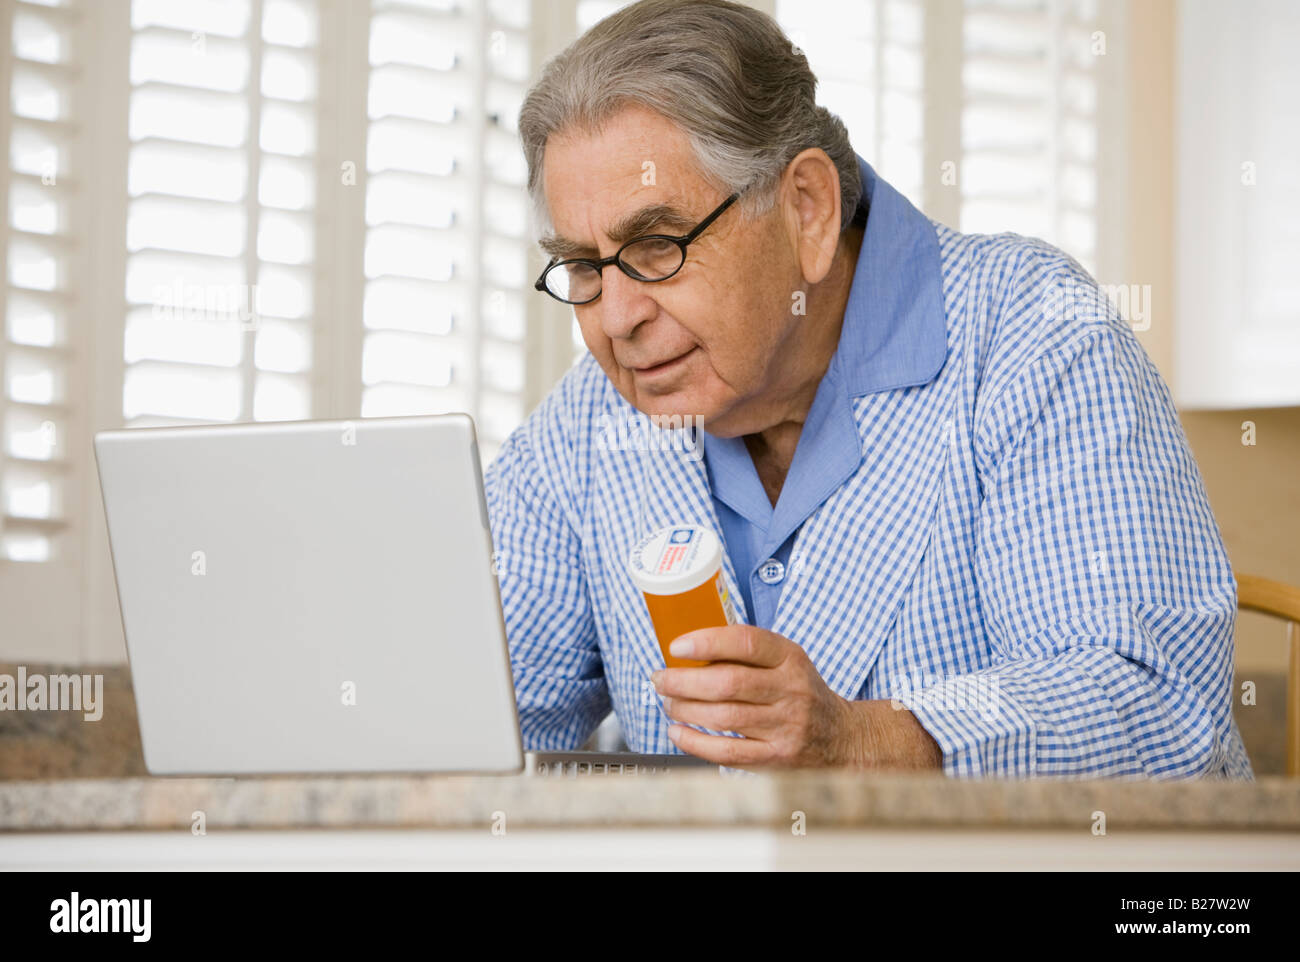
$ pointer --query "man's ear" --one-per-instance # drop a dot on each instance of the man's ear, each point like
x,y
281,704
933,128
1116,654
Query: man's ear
x,y
811,189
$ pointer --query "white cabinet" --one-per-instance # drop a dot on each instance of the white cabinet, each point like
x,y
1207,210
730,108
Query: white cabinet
x,y
1238,204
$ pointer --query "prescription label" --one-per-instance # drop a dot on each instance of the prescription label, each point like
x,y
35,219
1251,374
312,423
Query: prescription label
x,y
678,551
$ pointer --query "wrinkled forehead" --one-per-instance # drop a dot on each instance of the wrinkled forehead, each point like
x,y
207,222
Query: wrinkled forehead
x,y
594,176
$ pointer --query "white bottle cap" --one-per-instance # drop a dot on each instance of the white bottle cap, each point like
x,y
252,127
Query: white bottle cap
x,y
675,559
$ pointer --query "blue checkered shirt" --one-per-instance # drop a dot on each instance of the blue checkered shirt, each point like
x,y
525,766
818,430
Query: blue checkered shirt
x,y
1018,548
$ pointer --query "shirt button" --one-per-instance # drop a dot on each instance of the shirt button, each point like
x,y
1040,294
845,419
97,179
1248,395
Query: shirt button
x,y
771,572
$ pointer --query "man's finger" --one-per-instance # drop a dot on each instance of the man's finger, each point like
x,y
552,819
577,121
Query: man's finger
x,y
748,720
721,681
721,749
746,644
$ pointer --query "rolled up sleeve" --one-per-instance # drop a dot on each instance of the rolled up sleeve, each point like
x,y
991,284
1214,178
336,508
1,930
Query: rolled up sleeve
x,y
1105,589
555,659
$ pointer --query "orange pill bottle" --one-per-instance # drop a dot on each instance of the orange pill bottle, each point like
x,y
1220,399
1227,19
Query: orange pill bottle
x,y
679,572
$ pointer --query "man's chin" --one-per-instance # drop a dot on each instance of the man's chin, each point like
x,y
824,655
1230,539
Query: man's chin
x,y
679,402
683,397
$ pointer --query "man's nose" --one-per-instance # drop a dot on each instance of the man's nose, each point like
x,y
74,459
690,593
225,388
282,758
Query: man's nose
x,y
624,303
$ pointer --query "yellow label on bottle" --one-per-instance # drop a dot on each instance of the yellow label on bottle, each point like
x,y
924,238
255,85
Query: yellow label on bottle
x,y
724,595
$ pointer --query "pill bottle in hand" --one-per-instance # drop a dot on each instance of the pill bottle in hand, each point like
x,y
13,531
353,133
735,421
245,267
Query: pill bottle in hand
x,y
679,572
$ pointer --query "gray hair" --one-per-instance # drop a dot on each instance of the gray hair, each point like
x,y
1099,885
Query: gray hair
x,y
724,73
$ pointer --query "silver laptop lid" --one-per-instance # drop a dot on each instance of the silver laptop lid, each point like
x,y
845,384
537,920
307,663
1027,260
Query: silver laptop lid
x,y
310,596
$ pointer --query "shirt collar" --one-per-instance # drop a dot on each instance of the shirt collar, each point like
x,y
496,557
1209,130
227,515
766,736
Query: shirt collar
x,y
894,333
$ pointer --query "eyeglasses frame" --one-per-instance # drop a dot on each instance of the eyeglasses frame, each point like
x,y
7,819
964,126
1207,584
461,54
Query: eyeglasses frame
x,y
682,241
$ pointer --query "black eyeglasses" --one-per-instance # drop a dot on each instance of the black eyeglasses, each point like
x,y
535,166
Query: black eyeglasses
x,y
652,258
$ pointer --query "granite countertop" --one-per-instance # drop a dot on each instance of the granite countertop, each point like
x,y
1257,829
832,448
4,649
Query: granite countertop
x,y
59,773
670,800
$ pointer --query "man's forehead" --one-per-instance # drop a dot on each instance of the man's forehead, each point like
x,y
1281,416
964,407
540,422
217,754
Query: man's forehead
x,y
631,174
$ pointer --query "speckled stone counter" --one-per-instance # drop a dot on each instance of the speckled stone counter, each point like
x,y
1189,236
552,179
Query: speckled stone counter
x,y
59,773
60,744
673,800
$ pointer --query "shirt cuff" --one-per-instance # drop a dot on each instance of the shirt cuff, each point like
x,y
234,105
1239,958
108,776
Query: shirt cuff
x,y
980,728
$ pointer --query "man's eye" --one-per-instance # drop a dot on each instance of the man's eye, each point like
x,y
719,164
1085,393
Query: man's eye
x,y
653,258
655,246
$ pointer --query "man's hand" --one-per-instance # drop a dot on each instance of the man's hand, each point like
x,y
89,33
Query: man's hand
x,y
762,685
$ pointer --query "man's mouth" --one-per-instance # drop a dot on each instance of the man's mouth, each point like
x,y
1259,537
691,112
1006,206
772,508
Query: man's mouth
x,y
650,370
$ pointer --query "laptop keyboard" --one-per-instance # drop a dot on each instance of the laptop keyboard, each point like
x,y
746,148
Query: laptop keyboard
x,y
575,764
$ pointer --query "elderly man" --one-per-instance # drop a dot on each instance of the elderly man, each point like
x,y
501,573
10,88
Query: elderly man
x,y
962,523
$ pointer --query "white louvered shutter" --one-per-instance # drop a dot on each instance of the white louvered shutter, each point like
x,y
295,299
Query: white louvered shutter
x,y
983,113
867,56
1029,128
447,246
220,220
39,397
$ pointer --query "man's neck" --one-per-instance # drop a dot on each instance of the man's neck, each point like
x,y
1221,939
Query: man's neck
x,y
772,449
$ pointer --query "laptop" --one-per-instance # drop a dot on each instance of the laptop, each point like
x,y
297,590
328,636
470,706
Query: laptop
x,y
317,597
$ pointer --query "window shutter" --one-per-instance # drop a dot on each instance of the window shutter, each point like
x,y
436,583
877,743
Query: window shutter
x,y
38,400
220,220
868,57
447,248
983,113
1029,121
